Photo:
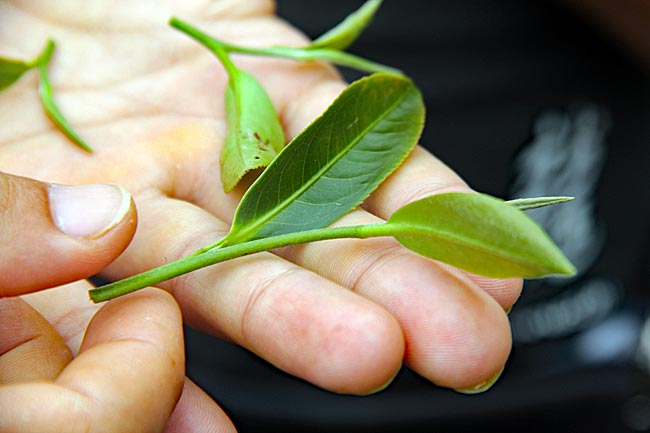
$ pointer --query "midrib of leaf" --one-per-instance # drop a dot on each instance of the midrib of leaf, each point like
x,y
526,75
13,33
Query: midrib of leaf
x,y
268,216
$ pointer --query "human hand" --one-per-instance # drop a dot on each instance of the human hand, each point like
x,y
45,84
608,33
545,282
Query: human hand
x,y
51,381
343,315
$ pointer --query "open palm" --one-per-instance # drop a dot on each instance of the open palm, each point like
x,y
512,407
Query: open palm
x,y
343,315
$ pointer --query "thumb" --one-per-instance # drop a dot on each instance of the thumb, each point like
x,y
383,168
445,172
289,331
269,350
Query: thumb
x,y
53,234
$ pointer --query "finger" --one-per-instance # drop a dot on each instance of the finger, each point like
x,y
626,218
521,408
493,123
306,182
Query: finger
x,y
485,335
78,230
457,335
297,320
127,377
197,412
423,175
30,348
67,309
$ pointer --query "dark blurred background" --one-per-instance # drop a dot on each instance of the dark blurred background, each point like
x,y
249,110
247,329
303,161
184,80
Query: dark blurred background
x,y
524,98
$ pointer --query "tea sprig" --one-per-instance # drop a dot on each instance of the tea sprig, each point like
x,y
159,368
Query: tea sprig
x,y
503,251
335,163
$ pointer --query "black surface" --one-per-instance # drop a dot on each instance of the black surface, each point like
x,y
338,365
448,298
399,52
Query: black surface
x,y
487,70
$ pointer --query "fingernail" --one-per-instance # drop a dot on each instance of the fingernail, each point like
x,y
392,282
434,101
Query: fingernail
x,y
481,387
87,211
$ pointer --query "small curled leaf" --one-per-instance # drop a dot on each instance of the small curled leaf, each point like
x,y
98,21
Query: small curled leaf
x,y
348,30
480,234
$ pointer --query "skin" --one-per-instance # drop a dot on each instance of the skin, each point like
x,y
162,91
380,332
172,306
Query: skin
x,y
149,101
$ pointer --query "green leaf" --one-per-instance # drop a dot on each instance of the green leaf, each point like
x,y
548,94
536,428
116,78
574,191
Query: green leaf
x,y
11,71
334,164
480,234
347,31
47,100
254,134
534,203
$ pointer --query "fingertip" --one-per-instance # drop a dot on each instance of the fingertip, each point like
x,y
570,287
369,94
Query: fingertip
x,y
471,346
457,335
149,314
367,355
133,343
78,229
30,348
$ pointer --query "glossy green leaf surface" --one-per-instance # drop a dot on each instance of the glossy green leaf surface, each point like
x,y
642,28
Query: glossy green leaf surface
x,y
347,31
480,234
11,71
254,136
336,162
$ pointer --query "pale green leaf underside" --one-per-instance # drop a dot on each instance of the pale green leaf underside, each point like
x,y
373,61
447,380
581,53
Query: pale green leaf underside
x,y
254,136
334,164
480,234
347,31
11,71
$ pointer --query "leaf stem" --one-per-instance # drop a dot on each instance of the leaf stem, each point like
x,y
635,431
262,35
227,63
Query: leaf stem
x,y
45,94
217,255
217,48
302,54
45,55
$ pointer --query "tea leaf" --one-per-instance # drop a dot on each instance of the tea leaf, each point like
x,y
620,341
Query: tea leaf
x,y
11,71
51,108
534,203
480,234
254,134
341,36
334,164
